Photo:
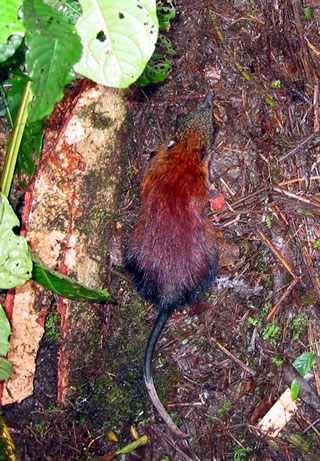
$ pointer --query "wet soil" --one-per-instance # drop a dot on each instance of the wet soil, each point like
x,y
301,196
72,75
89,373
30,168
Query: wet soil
x,y
261,62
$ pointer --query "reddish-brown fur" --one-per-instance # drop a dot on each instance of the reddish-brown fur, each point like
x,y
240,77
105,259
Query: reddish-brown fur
x,y
172,239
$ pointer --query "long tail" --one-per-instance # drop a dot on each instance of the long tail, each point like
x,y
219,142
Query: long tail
x,y
147,373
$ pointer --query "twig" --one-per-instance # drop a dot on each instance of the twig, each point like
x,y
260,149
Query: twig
x,y
309,263
295,196
282,297
174,445
292,181
233,357
316,108
311,141
277,253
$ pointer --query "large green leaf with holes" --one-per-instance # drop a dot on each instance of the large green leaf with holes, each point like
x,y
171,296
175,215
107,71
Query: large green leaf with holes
x,y
15,260
53,48
118,39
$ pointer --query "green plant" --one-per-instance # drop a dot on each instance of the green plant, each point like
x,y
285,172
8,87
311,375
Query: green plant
x,y
5,332
276,84
222,411
117,42
266,308
7,447
159,66
253,7
253,321
113,50
269,219
308,13
241,454
272,332
309,298
295,389
38,428
276,361
64,285
300,323
316,244
15,258
18,264
303,364
53,326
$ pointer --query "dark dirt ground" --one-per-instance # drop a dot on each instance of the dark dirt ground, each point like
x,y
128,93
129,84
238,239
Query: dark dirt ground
x,y
261,61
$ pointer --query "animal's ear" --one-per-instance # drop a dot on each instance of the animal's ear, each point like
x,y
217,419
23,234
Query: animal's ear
x,y
171,144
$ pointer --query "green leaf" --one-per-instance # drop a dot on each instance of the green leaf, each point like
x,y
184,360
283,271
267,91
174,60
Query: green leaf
x,y
5,332
30,148
269,101
53,48
134,445
8,49
118,39
303,212
71,9
269,219
64,285
156,70
5,369
276,84
304,363
316,244
295,388
166,44
165,15
13,89
308,13
15,261
9,22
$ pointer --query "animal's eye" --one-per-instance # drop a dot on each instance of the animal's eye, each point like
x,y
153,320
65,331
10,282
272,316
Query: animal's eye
x,y
171,144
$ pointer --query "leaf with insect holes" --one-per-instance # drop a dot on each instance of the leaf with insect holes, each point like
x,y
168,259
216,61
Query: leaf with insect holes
x,y
156,70
118,39
53,48
9,22
15,261
165,15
